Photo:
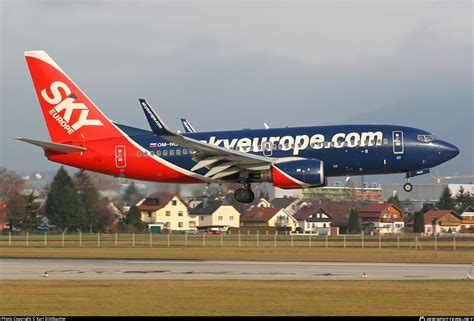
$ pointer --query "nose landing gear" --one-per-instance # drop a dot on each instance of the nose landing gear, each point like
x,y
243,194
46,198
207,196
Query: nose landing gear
x,y
244,194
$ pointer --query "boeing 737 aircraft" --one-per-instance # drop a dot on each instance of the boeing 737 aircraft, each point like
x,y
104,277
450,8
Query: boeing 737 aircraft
x,y
299,157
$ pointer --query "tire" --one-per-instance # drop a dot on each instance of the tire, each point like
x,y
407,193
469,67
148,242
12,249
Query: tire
x,y
243,195
408,187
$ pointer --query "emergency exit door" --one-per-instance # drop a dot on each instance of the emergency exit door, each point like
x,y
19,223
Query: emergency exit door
x,y
397,138
120,157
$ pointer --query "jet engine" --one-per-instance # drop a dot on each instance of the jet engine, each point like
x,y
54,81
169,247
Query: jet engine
x,y
298,174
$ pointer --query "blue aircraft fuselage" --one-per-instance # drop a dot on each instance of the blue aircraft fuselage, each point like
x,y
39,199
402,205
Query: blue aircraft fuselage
x,y
344,149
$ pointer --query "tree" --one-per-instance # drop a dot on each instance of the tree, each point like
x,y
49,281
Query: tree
x,y
446,201
134,220
395,201
11,186
353,225
89,197
462,198
106,217
63,204
131,195
419,222
30,219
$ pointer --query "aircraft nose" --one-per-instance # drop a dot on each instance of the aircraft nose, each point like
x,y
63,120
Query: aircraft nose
x,y
447,150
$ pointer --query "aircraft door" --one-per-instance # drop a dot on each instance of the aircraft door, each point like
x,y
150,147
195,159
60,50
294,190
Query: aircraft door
x,y
267,149
120,157
397,138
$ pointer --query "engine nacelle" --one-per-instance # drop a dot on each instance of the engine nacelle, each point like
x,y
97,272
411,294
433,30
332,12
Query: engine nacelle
x,y
298,174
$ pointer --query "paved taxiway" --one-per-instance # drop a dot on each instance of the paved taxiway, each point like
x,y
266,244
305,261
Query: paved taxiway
x,y
73,269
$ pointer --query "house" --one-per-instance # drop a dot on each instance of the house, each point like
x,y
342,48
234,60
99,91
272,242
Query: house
x,y
272,217
263,203
442,221
313,219
215,215
381,218
468,213
166,210
467,216
290,204
339,211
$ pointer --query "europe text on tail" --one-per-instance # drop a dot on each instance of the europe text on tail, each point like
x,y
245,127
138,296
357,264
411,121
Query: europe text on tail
x,y
297,157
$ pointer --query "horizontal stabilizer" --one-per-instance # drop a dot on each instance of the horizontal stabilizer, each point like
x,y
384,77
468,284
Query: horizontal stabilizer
x,y
54,147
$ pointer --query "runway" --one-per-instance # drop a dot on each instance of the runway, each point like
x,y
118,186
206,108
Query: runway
x,y
77,269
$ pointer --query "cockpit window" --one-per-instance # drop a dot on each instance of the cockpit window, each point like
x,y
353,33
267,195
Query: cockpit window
x,y
426,138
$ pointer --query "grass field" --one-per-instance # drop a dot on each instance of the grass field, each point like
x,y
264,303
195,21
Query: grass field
x,y
252,254
183,297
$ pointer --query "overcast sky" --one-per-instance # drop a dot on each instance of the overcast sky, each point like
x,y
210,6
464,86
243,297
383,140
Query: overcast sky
x,y
232,64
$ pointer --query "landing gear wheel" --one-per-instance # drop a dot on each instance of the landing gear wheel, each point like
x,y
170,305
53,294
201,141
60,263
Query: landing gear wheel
x,y
408,187
244,195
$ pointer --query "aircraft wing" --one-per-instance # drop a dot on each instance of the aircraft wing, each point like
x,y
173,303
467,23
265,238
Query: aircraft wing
x,y
187,126
221,161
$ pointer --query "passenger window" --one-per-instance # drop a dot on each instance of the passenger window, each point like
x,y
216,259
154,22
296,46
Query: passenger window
x,y
178,152
152,153
165,153
171,152
139,154
158,153
185,151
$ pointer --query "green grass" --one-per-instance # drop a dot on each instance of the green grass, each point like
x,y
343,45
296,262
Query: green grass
x,y
313,254
191,298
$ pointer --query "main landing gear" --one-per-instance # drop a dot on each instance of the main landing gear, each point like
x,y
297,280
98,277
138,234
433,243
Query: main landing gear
x,y
244,194
408,187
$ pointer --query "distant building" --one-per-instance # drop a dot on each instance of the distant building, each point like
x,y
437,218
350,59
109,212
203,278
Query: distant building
x,y
313,219
344,193
381,218
442,221
268,217
167,211
215,215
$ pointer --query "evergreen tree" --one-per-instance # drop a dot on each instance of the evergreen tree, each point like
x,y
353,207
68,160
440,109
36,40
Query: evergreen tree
x,y
446,201
89,197
131,195
134,219
30,219
395,201
462,199
63,205
353,225
419,222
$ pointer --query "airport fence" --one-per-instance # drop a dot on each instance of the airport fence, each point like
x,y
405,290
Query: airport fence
x,y
455,242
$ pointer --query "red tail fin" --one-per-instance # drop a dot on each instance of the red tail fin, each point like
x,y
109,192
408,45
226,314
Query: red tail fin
x,y
69,114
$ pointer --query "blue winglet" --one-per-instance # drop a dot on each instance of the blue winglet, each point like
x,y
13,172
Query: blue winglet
x,y
156,124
